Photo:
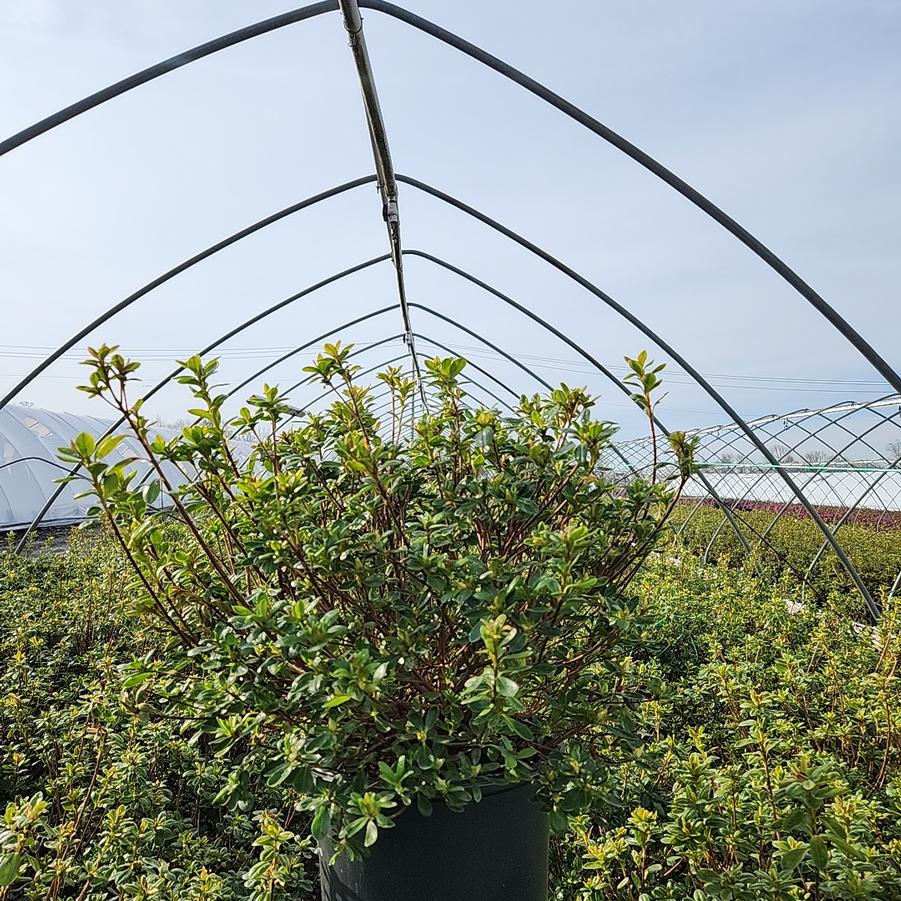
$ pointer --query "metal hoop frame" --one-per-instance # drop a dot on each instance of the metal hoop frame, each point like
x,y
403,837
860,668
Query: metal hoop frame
x,y
385,178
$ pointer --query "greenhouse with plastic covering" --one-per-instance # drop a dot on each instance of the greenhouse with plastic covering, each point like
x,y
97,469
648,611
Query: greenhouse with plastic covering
x,y
30,469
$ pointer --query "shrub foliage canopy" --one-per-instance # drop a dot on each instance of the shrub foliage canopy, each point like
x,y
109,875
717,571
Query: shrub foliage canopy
x,y
379,612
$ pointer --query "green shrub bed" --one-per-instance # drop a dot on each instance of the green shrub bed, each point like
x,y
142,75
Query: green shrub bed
x,y
104,797
769,766
792,544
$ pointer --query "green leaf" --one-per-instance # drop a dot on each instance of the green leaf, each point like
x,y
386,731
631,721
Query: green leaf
x,y
109,444
372,833
790,859
337,700
278,774
322,823
819,854
151,492
792,820
847,848
84,444
9,868
135,679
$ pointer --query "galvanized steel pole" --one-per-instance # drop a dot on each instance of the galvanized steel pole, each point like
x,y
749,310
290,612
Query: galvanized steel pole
x,y
384,168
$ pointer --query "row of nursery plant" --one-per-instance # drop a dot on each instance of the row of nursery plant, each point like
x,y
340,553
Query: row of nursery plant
x,y
794,545
832,514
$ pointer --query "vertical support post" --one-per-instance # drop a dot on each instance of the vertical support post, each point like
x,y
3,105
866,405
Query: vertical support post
x,y
384,169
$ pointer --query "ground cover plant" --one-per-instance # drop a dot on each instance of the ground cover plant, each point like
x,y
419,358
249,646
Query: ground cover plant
x,y
102,796
773,763
872,542
731,684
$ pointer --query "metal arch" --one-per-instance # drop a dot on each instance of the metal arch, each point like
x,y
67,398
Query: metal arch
x,y
161,68
466,330
176,270
466,394
33,460
724,405
372,369
512,359
805,415
654,167
473,383
607,134
849,513
885,411
371,346
296,411
228,335
385,404
519,363
837,454
475,366
818,302
485,341
579,350
381,393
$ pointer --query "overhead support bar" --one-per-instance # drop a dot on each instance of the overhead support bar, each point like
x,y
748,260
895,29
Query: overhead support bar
x,y
507,71
384,168
177,270
656,168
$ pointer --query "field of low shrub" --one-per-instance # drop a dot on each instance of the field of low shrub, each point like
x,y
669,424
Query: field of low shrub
x,y
104,796
770,765
873,545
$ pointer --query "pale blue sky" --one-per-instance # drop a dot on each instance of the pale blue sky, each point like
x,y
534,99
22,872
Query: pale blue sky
x,y
786,115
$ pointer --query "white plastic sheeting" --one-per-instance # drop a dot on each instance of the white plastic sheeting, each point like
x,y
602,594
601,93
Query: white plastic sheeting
x,y
842,486
29,465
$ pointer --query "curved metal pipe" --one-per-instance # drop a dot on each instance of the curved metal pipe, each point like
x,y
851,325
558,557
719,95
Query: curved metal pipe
x,y
530,84
394,338
161,68
655,168
836,454
33,460
176,270
307,379
723,404
579,350
322,396
384,393
850,512
378,366
798,424
475,366
485,341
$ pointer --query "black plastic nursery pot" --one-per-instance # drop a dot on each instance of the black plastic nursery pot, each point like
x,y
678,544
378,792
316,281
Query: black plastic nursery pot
x,y
496,850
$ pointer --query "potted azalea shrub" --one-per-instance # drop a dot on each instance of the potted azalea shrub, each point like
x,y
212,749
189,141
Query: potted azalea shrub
x,y
415,623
